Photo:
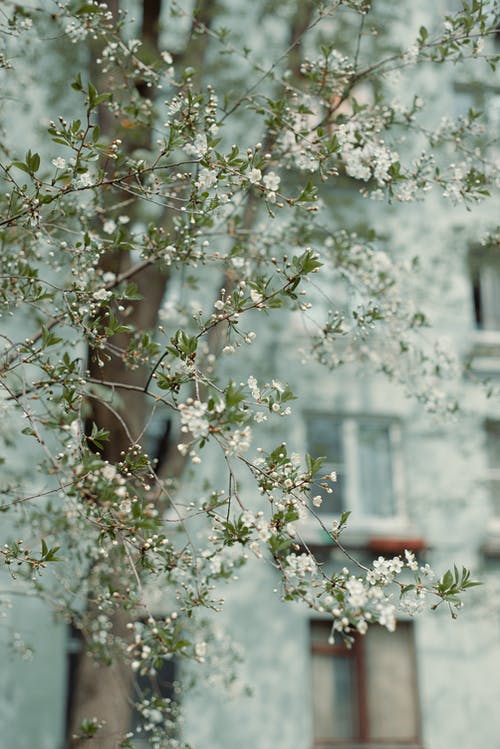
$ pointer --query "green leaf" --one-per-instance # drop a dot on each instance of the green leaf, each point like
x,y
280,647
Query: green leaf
x,y
344,518
309,194
98,436
22,166
77,83
88,8
92,95
234,395
48,337
33,161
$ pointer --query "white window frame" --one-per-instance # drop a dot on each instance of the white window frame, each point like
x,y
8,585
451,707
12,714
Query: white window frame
x,y
486,287
492,477
349,425
484,275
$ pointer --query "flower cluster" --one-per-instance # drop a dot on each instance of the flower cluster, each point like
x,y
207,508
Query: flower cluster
x,y
356,601
271,395
364,157
300,565
193,418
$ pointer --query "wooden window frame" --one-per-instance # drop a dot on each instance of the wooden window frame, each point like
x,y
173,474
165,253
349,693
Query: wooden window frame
x,y
364,740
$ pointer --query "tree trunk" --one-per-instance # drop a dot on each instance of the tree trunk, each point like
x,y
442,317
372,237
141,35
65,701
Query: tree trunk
x,y
102,691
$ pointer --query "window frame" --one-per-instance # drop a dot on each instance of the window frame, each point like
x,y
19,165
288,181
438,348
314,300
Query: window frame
x,y
358,655
349,430
482,262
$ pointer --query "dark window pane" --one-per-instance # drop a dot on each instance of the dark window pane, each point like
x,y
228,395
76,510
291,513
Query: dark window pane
x,y
376,471
324,439
489,286
476,297
493,443
485,282
333,504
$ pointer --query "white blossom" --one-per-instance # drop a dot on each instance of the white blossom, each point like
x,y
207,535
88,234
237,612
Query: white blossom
x,y
357,595
102,295
193,418
271,181
84,180
109,226
198,148
239,440
300,565
254,176
207,178
200,649
256,297
387,618
108,472
411,561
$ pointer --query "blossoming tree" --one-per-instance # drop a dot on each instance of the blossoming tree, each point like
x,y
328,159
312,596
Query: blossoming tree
x,y
175,207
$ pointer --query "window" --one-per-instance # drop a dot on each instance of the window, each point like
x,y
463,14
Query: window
x,y
492,429
363,453
485,273
365,696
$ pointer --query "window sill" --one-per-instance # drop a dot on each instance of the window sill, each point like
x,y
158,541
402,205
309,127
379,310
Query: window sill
x,y
379,535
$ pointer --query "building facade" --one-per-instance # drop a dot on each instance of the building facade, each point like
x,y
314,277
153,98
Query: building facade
x,y
416,477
